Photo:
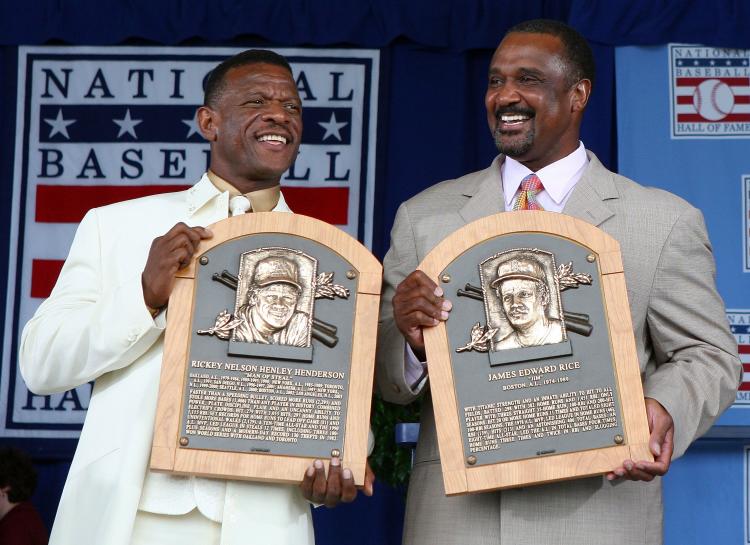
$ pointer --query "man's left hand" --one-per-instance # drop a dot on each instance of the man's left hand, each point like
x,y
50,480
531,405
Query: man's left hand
x,y
337,488
661,443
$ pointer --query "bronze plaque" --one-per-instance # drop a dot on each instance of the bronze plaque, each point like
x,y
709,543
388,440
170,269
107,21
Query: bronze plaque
x,y
529,358
266,372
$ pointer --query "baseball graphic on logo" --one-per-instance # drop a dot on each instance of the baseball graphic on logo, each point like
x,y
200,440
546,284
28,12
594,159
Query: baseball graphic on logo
x,y
713,99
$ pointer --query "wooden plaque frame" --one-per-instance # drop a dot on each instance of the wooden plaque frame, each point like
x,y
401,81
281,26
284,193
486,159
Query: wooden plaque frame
x,y
459,478
166,452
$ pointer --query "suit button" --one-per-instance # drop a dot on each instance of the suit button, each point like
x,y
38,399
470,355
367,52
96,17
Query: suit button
x,y
396,388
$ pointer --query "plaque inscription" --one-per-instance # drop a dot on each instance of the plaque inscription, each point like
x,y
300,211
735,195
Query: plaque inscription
x,y
491,425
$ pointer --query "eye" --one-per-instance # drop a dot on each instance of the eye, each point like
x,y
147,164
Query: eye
x,y
527,79
495,81
292,107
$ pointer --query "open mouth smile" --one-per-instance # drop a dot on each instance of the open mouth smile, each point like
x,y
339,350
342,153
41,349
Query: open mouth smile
x,y
273,139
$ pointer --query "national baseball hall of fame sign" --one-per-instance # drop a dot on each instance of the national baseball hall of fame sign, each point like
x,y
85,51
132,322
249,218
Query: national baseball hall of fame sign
x,y
98,125
534,377
269,352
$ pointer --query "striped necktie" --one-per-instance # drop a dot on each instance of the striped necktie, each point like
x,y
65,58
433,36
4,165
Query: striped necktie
x,y
531,185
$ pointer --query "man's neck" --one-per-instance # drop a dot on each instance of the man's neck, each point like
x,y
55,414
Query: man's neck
x,y
262,199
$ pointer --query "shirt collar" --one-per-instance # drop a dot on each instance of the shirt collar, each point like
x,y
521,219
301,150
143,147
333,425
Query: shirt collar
x,y
262,200
558,178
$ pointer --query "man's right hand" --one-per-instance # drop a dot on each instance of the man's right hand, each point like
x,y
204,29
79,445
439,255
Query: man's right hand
x,y
169,253
418,303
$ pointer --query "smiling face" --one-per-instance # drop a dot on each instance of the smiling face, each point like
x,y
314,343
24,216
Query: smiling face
x,y
533,111
276,304
523,301
254,126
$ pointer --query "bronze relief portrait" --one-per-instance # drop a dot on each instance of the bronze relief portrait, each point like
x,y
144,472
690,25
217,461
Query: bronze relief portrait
x,y
275,297
522,299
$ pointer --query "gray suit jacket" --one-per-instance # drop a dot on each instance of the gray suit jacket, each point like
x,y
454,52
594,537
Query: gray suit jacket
x,y
687,355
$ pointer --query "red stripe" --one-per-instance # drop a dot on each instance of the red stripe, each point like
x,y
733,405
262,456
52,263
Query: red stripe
x,y
688,99
744,387
694,82
44,273
330,204
743,348
69,203
697,118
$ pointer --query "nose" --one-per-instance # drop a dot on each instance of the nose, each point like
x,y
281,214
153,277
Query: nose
x,y
276,112
502,96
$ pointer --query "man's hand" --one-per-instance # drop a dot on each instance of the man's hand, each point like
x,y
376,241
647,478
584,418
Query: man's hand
x,y
661,443
418,303
169,253
337,488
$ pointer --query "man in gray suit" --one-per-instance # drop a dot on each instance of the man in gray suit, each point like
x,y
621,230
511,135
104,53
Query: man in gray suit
x,y
540,80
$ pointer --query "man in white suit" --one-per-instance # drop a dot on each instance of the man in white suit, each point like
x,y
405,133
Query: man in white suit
x,y
104,321
539,82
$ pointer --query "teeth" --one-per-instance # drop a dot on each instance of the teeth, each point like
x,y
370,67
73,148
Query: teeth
x,y
507,118
272,138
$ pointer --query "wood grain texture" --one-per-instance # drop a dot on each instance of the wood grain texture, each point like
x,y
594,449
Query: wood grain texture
x,y
167,455
459,478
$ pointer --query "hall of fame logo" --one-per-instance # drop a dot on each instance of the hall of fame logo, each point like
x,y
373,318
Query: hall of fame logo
x,y
739,323
100,125
710,92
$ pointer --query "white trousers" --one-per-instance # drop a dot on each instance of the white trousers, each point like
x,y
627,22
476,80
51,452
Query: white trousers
x,y
190,529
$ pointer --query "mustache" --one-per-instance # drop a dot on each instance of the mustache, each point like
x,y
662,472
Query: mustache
x,y
514,110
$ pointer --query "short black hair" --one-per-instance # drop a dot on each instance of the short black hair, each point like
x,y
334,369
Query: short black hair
x,y
216,78
17,472
578,52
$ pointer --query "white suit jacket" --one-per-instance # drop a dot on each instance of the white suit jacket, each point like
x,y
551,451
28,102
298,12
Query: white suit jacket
x,y
95,326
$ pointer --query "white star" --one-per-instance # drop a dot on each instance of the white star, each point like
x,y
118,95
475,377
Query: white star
x,y
333,127
127,124
679,63
59,125
713,63
193,126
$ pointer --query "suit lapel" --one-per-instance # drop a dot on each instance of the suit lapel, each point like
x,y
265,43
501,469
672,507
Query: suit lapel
x,y
588,200
486,194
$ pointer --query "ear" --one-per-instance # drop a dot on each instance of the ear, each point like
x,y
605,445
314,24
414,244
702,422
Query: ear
x,y
579,95
207,120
